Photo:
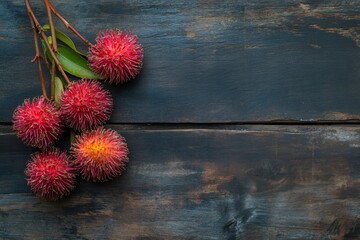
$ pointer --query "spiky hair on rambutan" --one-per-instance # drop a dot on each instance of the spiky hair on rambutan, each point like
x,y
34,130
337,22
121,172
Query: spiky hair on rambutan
x,y
100,155
85,104
117,56
37,122
50,174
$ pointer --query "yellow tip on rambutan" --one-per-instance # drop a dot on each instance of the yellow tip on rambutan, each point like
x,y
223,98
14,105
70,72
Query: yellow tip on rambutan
x,y
100,155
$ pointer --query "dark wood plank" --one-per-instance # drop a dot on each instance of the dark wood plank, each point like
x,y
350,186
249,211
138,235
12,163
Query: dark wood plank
x,y
238,183
210,61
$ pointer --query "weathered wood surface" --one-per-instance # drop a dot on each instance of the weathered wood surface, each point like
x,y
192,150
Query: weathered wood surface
x,y
210,60
206,61
264,182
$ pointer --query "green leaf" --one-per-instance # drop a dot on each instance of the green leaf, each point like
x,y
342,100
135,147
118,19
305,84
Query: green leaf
x,y
46,52
59,88
64,38
49,40
74,63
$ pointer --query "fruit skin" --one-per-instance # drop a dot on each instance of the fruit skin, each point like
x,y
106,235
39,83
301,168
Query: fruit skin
x,y
85,104
100,155
117,56
50,174
38,122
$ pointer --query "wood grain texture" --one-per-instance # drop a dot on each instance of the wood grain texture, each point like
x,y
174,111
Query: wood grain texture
x,y
263,182
212,60
206,61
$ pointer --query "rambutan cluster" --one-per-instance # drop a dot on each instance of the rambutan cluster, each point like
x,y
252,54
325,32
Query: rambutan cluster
x,y
37,122
97,154
85,105
100,154
50,174
117,56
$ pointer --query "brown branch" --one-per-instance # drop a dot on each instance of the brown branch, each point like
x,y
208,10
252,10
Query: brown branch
x,y
54,46
53,68
38,58
52,28
43,36
67,24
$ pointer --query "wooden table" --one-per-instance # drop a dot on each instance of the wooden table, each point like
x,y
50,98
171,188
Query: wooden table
x,y
242,125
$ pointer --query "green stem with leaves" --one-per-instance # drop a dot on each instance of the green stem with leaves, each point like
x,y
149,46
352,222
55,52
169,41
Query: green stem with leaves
x,y
67,24
44,38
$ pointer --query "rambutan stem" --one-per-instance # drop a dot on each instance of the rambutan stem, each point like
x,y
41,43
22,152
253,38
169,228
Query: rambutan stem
x,y
43,36
54,46
52,28
38,58
53,68
67,24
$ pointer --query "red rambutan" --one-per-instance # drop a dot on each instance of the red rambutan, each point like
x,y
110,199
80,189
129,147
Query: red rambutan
x,y
50,174
100,155
37,122
117,56
85,104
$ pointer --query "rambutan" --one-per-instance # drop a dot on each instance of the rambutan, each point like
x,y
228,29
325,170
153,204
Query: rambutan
x,y
117,56
37,123
50,174
85,104
100,155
